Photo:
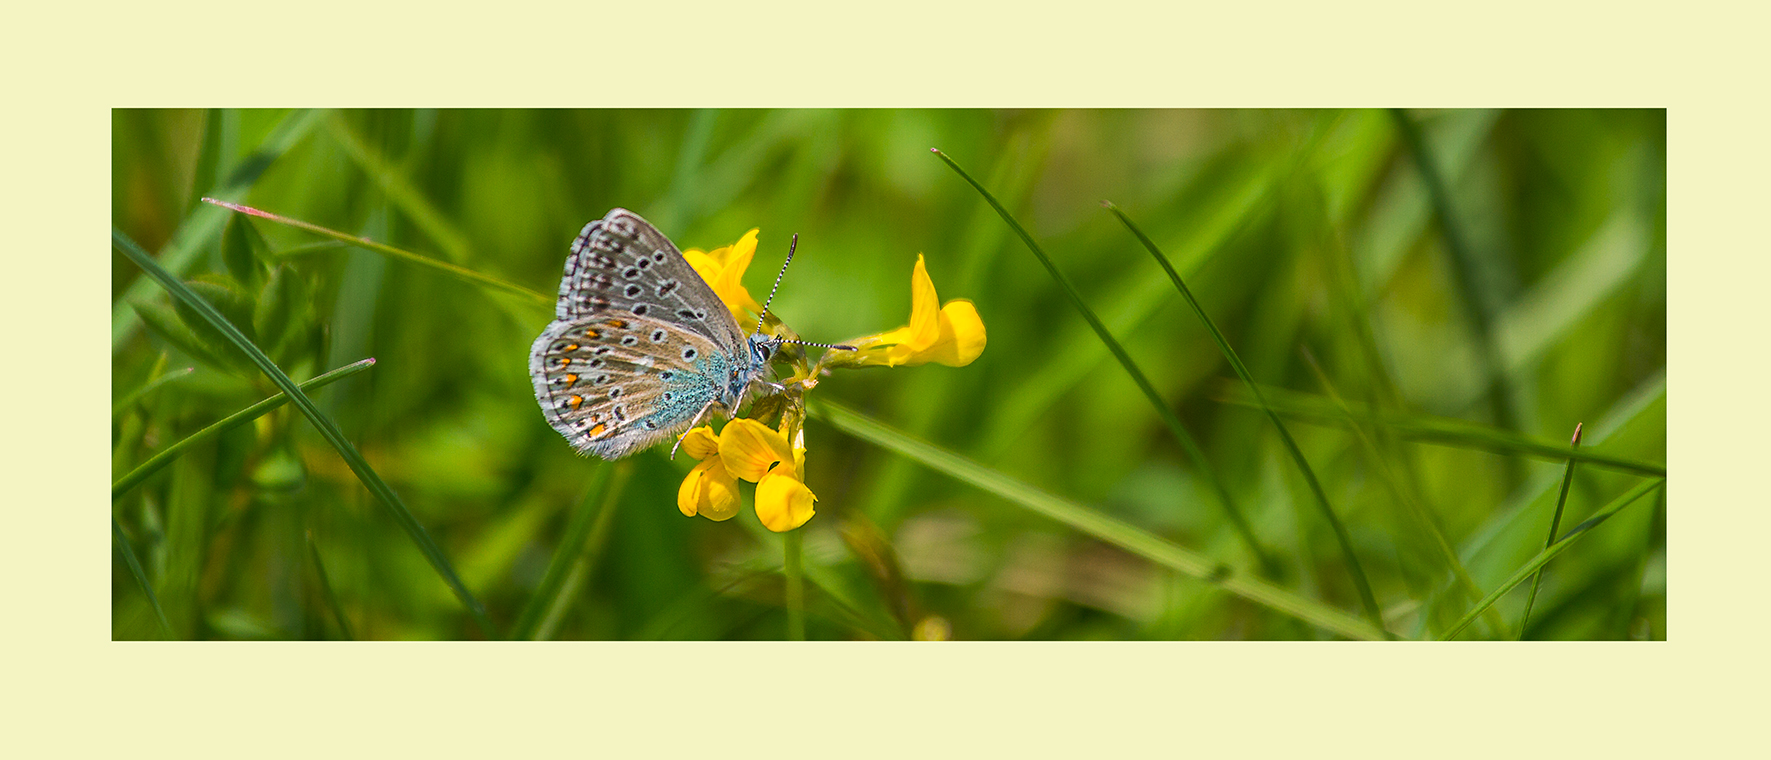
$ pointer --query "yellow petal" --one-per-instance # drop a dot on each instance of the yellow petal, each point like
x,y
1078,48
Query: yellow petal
x,y
701,443
962,335
704,265
924,309
749,448
783,503
708,491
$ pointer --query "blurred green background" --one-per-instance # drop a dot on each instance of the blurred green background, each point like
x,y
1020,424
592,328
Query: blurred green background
x,y
1470,316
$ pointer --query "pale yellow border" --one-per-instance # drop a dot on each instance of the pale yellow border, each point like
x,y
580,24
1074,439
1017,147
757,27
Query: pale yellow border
x,y
73,693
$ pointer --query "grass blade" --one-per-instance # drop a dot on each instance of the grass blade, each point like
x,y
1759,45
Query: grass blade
x,y
344,624
328,429
1441,430
1354,569
203,225
1168,416
460,273
1123,535
1464,263
1555,524
149,387
404,196
593,510
170,453
1554,549
141,577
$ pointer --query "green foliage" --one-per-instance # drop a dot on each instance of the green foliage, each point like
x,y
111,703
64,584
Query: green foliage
x,y
1462,319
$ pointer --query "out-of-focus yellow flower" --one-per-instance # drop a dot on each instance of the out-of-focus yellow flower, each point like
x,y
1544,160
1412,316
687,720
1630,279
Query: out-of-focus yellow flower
x,y
952,335
723,270
710,490
752,451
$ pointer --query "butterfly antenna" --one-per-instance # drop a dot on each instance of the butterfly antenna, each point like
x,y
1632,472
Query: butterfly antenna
x,y
765,315
820,345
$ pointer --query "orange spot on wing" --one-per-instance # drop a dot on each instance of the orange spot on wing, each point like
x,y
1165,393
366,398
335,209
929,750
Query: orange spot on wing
x,y
618,324
575,402
598,430
571,380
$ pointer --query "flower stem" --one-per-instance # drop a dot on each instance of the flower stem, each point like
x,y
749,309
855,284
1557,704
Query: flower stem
x,y
796,592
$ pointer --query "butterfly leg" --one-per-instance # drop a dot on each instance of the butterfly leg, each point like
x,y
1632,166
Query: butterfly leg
x,y
699,416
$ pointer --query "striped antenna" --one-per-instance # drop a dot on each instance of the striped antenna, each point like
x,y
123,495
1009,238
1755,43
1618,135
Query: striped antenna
x,y
820,345
765,315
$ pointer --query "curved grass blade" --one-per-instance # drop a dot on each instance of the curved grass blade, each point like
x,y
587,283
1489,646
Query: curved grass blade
x,y
1555,524
1297,455
328,429
1441,430
344,624
460,273
203,224
1123,535
1168,416
141,577
1550,553
170,453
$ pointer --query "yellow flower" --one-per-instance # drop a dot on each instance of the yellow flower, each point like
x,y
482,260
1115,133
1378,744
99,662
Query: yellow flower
x,y
723,270
752,451
709,490
952,335
756,452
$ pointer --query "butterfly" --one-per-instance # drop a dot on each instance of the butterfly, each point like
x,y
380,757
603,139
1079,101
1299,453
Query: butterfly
x,y
640,348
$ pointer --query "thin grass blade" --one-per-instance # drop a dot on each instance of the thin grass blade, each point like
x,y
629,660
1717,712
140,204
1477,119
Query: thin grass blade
x,y
328,429
332,603
1341,535
1123,535
141,577
408,199
149,387
460,273
1163,411
1555,525
173,452
1446,431
1562,544
1464,264
566,555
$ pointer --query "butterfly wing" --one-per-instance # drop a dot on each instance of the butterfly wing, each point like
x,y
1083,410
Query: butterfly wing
x,y
622,264
640,344
613,385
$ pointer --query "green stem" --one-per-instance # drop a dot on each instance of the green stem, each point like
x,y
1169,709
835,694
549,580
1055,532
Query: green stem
x,y
1555,524
796,592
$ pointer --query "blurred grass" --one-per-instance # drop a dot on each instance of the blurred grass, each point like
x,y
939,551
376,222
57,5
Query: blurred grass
x,y
1311,230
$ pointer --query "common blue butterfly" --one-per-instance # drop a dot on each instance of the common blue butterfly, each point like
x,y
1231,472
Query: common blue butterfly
x,y
640,348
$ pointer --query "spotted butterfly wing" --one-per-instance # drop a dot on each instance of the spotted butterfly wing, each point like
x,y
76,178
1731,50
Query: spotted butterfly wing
x,y
639,346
